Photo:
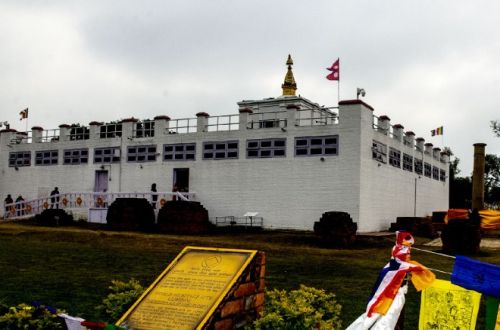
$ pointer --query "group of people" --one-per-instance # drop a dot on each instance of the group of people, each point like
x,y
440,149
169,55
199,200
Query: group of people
x,y
19,207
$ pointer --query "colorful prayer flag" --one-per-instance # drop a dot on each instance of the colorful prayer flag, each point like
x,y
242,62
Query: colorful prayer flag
x,y
437,131
335,68
24,114
476,275
444,305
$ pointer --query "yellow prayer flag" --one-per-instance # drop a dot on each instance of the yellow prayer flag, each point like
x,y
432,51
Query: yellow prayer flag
x,y
447,304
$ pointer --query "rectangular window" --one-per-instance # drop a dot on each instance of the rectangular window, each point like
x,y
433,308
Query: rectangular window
x,y
407,162
435,173
110,131
395,157
427,170
76,156
442,175
145,129
379,151
46,157
141,154
266,148
20,158
418,166
79,133
317,146
179,151
220,150
107,155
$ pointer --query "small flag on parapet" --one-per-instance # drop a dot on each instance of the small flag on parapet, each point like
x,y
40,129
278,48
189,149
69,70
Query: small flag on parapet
x,y
437,131
335,68
24,114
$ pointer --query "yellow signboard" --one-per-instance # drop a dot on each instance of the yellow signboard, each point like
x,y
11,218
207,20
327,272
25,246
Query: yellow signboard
x,y
185,295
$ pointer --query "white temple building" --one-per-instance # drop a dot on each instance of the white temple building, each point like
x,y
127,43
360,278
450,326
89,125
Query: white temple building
x,y
286,158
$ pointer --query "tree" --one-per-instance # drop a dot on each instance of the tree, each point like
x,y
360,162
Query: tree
x,y
495,126
492,179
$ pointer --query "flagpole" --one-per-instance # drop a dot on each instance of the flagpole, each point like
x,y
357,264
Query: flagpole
x,y
338,92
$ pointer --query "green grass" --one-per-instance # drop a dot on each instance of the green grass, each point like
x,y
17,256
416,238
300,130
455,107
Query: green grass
x,y
71,267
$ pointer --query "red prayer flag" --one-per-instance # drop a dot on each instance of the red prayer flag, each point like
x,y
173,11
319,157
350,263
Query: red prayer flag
x,y
335,68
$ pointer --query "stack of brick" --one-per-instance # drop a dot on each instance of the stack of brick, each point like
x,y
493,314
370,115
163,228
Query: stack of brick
x,y
244,303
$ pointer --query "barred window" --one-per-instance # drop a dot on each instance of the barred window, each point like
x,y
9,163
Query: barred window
x,y
144,129
427,170
179,151
442,175
418,166
395,157
141,153
107,155
379,151
220,150
46,157
317,146
266,148
110,131
20,158
407,162
76,156
435,173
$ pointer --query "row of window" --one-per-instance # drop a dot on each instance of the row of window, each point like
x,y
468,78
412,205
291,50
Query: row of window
x,y
379,153
258,148
141,129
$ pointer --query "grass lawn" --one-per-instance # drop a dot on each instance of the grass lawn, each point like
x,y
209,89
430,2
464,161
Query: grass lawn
x,y
71,267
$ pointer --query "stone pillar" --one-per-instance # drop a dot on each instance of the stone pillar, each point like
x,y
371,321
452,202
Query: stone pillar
x,y
436,153
64,130
397,132
6,135
478,177
161,125
410,139
428,148
420,144
95,130
445,157
291,115
128,127
383,124
36,134
245,118
202,122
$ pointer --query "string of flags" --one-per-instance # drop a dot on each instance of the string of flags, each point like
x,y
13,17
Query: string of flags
x,y
444,304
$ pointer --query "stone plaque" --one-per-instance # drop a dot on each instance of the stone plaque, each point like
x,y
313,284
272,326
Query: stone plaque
x,y
188,291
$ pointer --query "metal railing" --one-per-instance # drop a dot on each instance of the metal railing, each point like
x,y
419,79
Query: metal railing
x,y
315,117
87,200
232,221
271,119
182,126
223,123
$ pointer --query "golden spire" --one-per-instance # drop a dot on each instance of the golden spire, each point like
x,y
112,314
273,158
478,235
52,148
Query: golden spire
x,y
289,86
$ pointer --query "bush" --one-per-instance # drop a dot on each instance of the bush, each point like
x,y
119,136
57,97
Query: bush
x,y
306,308
122,296
28,317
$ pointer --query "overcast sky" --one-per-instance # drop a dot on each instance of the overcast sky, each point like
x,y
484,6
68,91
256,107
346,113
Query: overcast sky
x,y
423,63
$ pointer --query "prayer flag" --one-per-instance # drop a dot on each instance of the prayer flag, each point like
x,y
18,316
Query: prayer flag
x,y
492,318
476,275
444,305
437,131
335,68
24,114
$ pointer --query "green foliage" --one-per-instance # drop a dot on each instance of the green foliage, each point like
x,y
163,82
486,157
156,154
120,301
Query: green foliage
x,y
495,126
27,317
302,309
122,296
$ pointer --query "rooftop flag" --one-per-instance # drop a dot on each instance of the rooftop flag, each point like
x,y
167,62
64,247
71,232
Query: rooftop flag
x,y
335,68
437,131
24,114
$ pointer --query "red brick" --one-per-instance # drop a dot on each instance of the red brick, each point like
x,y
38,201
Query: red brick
x,y
226,324
259,299
245,289
232,307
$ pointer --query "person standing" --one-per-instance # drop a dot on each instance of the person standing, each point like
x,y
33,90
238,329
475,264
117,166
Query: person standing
x,y
7,200
54,198
154,195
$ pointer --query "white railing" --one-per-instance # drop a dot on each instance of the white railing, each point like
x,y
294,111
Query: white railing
x,y
87,200
181,126
271,119
223,123
315,117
